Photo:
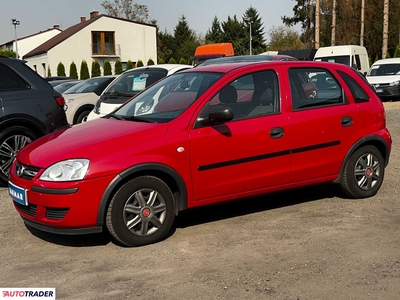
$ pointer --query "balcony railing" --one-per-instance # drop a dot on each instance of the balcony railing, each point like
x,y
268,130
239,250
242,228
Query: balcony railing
x,y
100,49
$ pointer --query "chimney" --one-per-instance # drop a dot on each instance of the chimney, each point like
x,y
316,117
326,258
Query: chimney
x,y
83,19
94,14
56,26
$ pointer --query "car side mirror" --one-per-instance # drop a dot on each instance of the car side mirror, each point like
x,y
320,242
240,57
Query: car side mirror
x,y
215,115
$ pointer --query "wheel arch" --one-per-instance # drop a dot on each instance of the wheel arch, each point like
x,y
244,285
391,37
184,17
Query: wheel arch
x,y
376,141
85,107
23,122
173,180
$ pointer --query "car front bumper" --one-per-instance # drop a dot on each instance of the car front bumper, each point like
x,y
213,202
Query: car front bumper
x,y
388,91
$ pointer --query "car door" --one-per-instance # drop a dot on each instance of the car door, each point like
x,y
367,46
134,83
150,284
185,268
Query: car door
x,y
250,152
320,126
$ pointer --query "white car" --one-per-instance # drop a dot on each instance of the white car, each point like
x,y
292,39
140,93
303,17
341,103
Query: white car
x,y
81,98
384,76
130,83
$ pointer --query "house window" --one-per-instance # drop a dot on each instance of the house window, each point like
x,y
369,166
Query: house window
x,y
103,43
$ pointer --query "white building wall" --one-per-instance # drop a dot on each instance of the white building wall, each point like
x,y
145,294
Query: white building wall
x,y
27,44
39,63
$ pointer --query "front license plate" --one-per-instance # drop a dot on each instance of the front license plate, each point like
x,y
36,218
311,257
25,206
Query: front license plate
x,y
18,194
379,90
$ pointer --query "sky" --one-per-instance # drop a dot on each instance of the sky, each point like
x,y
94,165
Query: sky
x,y
39,15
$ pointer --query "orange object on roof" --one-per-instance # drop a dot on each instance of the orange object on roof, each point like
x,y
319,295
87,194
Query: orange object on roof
x,y
208,51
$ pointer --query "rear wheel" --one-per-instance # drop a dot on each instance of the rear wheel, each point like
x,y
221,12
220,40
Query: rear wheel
x,y
364,173
12,140
141,212
82,116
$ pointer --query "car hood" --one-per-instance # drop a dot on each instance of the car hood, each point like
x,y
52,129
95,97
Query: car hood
x,y
382,79
86,140
79,95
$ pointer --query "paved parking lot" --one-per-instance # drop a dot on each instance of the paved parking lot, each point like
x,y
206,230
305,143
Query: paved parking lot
x,y
304,244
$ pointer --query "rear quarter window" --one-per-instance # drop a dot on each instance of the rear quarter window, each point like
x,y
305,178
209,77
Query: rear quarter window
x,y
357,91
10,81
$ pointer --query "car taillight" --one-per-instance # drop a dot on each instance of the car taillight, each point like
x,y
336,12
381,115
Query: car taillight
x,y
60,100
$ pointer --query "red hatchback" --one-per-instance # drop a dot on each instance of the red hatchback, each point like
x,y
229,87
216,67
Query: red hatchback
x,y
201,136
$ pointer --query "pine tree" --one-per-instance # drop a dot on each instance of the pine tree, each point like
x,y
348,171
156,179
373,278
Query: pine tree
x,y
107,67
251,18
139,64
95,69
118,67
214,34
60,69
84,71
73,72
150,62
129,65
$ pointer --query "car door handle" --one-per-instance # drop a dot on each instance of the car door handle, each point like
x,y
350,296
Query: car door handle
x,y
346,121
276,132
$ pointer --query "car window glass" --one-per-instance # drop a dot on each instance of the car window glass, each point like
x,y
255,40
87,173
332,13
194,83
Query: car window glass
x,y
357,91
358,62
313,88
252,95
10,81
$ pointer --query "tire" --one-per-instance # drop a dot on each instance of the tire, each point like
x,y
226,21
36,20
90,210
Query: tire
x,y
12,140
82,116
141,212
364,172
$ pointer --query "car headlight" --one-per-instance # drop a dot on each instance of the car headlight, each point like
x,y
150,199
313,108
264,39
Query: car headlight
x,y
145,107
397,82
69,100
67,170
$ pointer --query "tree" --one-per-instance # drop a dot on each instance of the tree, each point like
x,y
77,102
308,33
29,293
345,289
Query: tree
x,y
96,69
284,38
129,65
184,39
214,34
84,71
150,62
118,67
139,63
172,61
165,45
60,69
8,53
251,16
73,72
235,33
161,61
183,61
128,10
385,28
387,55
107,67
48,71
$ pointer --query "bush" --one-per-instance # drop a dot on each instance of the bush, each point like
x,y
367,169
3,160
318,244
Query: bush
x,y
107,67
60,69
118,67
139,64
48,71
84,73
190,61
129,65
376,58
73,72
387,54
172,61
183,61
150,62
397,52
96,69
8,53
161,61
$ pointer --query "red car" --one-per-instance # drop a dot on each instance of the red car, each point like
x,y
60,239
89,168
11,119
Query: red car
x,y
187,141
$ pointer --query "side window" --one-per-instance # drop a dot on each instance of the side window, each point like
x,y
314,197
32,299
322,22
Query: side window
x,y
314,88
9,81
252,95
358,62
357,91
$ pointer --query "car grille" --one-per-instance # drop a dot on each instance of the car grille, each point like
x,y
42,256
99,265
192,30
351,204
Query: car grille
x,y
56,213
25,171
27,209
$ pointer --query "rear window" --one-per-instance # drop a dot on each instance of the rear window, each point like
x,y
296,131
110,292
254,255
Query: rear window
x,y
133,82
10,81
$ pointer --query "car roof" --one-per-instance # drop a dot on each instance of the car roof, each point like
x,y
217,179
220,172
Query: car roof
x,y
167,67
385,61
246,58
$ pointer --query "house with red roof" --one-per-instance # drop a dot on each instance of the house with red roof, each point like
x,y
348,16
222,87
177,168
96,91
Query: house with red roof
x,y
101,37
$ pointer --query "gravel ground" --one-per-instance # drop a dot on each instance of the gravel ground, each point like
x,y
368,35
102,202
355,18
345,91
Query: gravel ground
x,y
304,244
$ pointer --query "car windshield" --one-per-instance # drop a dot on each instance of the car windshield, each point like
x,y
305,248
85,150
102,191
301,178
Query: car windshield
x,y
87,86
133,82
384,70
61,88
168,98
341,59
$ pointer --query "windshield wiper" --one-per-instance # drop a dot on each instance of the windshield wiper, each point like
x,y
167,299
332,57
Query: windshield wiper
x,y
138,119
115,93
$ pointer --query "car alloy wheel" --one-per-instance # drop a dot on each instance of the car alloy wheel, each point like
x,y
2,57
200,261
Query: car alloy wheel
x,y
367,171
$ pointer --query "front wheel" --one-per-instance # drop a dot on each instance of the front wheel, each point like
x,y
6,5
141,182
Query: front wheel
x,y
141,212
82,116
364,172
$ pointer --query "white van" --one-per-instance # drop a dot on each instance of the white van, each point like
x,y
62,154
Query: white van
x,y
351,55
384,75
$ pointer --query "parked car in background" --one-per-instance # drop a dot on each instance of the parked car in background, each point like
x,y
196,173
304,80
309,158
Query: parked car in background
x,y
246,58
81,98
30,108
53,78
130,83
63,86
384,76
217,133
